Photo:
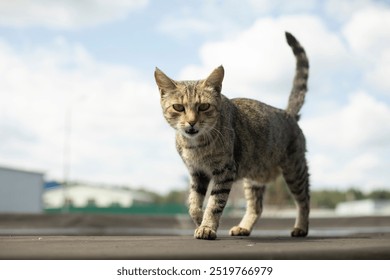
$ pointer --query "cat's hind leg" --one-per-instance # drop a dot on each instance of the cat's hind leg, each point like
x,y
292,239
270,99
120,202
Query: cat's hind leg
x,y
254,192
296,176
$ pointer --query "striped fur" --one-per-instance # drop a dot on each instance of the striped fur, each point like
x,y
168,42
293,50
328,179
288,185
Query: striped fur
x,y
298,92
224,140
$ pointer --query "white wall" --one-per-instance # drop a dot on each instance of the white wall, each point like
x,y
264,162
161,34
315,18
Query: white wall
x,y
364,207
80,195
20,191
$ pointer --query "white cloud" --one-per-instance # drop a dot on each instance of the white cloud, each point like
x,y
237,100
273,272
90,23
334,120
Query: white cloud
x,y
368,30
368,35
213,18
359,124
64,14
118,134
343,10
350,146
185,28
365,170
379,75
281,6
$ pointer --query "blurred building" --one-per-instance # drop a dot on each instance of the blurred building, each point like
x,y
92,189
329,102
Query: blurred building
x,y
20,191
83,195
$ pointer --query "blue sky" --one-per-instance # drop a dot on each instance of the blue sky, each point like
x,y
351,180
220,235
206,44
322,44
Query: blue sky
x,y
89,64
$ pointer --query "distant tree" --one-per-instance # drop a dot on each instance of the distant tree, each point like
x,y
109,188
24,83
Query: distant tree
x,y
156,198
379,194
176,196
354,194
91,202
326,198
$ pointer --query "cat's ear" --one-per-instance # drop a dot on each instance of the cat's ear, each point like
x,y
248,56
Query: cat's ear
x,y
164,83
215,79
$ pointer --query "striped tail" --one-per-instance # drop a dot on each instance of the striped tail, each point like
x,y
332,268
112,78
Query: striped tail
x,y
297,96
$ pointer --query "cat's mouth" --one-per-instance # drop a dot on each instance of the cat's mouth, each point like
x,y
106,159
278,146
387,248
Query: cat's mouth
x,y
191,131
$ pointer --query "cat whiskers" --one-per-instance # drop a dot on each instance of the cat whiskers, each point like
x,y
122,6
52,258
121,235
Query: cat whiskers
x,y
215,133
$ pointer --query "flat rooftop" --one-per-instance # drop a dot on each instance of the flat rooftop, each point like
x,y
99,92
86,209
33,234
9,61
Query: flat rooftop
x,y
80,236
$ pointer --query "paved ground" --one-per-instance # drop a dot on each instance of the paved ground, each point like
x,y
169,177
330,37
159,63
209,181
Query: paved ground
x,y
129,237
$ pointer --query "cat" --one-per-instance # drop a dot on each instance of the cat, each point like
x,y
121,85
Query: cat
x,y
224,140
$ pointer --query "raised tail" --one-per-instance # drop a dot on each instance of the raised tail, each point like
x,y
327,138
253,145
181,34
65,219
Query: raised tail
x,y
298,92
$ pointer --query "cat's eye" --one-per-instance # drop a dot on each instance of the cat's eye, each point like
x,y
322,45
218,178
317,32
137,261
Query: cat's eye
x,y
178,107
204,106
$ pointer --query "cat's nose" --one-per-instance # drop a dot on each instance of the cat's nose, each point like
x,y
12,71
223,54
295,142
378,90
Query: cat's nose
x,y
192,123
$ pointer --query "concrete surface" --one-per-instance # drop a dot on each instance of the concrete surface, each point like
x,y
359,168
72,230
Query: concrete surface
x,y
140,237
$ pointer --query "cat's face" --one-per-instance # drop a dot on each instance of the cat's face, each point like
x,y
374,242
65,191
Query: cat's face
x,y
191,107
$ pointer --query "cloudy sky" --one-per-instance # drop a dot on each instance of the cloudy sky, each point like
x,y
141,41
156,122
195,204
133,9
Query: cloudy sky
x,y
76,78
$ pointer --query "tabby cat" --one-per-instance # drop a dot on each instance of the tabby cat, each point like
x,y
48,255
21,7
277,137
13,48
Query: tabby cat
x,y
223,140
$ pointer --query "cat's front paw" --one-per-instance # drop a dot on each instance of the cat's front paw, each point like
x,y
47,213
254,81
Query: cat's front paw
x,y
204,232
239,231
297,232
